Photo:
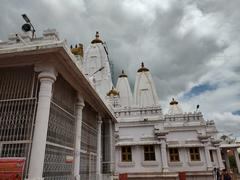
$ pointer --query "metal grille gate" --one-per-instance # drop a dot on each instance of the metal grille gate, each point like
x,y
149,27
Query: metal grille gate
x,y
18,101
88,144
106,158
58,162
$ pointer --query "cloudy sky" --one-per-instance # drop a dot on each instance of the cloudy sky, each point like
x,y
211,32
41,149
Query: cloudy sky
x,y
191,47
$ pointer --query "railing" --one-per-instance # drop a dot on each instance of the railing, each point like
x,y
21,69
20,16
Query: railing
x,y
136,112
18,102
184,117
107,167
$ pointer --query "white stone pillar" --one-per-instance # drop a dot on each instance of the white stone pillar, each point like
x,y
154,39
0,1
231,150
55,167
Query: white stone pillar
x,y
220,161
164,156
237,159
79,108
99,148
111,144
226,159
207,155
46,78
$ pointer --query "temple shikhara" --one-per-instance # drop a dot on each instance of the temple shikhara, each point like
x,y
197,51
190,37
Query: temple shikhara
x,y
63,118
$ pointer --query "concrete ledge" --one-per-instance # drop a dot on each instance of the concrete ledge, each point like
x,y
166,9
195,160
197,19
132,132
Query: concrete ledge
x,y
175,163
150,163
126,164
196,163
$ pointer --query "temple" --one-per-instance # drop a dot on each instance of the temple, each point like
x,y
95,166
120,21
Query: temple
x,y
62,117
52,118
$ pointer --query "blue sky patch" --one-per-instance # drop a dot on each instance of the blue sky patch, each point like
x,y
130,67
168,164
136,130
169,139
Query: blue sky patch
x,y
236,112
199,89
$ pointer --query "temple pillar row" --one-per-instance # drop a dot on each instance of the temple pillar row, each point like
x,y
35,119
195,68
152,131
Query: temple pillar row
x,y
207,155
164,155
219,157
99,148
79,108
47,77
236,155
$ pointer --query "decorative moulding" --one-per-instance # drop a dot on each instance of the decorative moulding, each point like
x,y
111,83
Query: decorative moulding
x,y
126,164
196,163
150,163
177,163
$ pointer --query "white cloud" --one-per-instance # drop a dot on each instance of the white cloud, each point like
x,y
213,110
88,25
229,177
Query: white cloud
x,y
227,123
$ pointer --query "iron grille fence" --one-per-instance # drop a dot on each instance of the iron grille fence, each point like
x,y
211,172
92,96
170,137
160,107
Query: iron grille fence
x,y
18,101
106,165
88,144
56,165
59,154
88,166
61,126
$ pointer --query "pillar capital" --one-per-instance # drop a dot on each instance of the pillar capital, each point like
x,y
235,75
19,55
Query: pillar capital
x,y
46,71
80,101
44,75
99,119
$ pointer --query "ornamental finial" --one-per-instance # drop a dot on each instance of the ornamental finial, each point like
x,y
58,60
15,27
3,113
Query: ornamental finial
x,y
173,102
97,34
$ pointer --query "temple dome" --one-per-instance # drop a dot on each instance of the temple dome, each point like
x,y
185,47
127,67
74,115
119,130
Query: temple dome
x,y
96,65
124,90
145,94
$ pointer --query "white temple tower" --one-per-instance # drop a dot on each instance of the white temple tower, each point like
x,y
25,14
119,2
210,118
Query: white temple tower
x,y
96,66
124,90
144,91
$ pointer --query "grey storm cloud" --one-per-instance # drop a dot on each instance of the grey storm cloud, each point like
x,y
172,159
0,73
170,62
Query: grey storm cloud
x,y
177,40
174,59
130,38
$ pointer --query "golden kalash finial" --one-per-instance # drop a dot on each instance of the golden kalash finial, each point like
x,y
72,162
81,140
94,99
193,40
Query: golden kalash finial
x,y
113,92
78,50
